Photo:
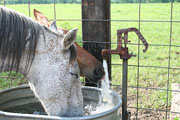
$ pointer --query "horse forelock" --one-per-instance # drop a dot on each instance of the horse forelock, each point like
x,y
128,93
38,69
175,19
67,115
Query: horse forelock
x,y
17,35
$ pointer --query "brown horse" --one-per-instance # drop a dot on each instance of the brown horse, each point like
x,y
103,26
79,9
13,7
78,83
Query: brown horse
x,y
89,66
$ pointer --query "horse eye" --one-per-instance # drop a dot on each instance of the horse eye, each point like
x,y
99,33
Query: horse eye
x,y
74,74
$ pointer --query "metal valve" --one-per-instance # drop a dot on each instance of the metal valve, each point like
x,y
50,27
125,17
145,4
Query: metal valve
x,y
123,51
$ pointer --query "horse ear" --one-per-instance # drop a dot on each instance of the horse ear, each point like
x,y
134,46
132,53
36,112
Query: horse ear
x,y
53,27
41,18
45,21
69,38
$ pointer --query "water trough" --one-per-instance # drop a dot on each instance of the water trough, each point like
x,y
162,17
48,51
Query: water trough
x,y
19,103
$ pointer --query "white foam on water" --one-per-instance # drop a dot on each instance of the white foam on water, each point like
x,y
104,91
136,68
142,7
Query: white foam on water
x,y
91,109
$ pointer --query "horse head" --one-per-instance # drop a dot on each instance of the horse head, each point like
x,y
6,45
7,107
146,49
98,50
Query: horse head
x,y
89,66
48,59
60,92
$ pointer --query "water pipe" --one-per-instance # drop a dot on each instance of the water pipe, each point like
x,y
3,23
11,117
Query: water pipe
x,y
124,54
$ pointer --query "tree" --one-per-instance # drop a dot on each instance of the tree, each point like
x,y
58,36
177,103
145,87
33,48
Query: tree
x,y
128,1
62,1
72,1
115,1
1,2
165,1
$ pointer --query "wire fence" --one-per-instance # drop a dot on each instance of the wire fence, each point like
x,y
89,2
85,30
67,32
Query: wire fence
x,y
140,91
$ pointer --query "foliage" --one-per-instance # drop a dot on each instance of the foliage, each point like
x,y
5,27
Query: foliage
x,y
66,25
79,1
176,118
165,1
1,2
41,1
143,1
13,80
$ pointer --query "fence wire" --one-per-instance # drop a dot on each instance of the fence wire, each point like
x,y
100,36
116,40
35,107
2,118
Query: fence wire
x,y
138,66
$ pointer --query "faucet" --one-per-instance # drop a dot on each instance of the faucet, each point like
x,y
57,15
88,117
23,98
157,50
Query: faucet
x,y
124,54
123,51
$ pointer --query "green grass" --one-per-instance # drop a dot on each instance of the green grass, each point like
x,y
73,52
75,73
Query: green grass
x,y
13,79
176,118
154,33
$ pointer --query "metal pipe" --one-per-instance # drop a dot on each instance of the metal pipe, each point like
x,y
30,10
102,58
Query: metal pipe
x,y
29,7
124,90
124,54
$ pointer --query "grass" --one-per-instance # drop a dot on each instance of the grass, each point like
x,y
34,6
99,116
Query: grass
x,y
13,79
154,32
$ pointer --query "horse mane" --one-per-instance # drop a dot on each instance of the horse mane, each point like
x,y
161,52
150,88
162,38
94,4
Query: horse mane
x,y
18,34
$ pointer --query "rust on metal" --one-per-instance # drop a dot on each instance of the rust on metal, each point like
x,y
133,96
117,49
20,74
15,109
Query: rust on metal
x,y
123,51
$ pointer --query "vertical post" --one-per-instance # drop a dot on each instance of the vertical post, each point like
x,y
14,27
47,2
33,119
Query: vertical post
x,y
29,7
4,2
54,9
124,90
96,28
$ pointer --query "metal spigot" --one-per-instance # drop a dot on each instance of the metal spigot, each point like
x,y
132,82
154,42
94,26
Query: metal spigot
x,y
123,51
124,54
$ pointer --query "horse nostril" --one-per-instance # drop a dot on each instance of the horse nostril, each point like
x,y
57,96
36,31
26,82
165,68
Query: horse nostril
x,y
96,71
99,72
74,74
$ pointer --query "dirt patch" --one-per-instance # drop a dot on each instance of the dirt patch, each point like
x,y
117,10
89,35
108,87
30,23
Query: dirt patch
x,y
147,115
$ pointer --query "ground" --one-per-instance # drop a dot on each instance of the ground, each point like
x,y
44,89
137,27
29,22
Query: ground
x,y
142,114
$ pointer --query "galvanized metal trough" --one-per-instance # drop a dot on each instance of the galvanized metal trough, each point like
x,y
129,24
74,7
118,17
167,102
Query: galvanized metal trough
x,y
15,101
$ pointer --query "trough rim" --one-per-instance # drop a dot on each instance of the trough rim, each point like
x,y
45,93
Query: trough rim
x,y
46,117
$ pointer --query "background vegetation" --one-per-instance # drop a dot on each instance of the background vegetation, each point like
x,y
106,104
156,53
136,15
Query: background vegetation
x,y
79,1
153,65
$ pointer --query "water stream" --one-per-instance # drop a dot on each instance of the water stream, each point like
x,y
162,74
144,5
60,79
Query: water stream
x,y
105,85
105,98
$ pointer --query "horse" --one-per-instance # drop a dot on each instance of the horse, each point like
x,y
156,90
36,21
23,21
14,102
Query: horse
x,y
89,66
47,58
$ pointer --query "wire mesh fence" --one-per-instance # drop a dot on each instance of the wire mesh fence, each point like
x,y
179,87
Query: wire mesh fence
x,y
151,74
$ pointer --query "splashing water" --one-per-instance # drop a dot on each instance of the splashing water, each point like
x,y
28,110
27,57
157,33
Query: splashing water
x,y
105,98
105,85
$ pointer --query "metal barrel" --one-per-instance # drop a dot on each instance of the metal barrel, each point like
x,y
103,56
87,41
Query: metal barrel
x,y
17,96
